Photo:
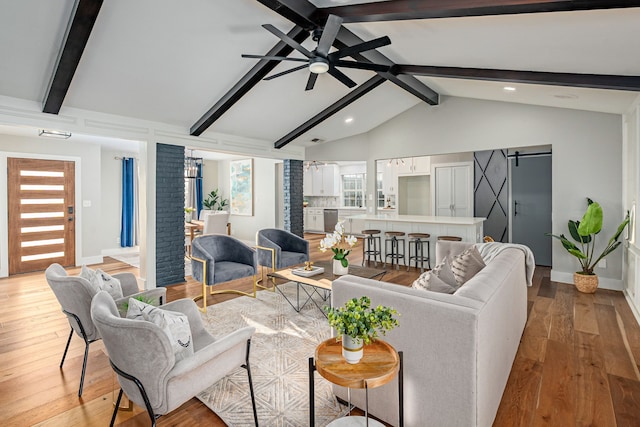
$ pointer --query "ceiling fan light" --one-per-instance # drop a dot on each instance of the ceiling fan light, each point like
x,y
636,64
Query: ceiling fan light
x,y
318,65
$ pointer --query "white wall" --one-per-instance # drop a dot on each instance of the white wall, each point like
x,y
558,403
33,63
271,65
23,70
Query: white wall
x,y
89,219
587,153
264,199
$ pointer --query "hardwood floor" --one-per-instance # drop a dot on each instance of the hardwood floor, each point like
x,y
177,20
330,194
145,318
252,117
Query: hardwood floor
x,y
578,363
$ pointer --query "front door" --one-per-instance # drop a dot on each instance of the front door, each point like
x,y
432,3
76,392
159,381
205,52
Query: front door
x,y
41,215
531,205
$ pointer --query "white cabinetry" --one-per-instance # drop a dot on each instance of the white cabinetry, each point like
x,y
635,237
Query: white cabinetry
x,y
352,226
314,220
322,181
415,166
452,190
389,179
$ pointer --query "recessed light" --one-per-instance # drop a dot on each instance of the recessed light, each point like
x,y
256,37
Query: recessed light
x,y
348,120
566,96
509,89
54,134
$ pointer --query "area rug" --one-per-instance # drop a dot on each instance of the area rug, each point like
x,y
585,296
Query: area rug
x,y
280,350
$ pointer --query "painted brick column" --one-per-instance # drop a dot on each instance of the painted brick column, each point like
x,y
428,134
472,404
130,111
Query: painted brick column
x,y
169,214
293,199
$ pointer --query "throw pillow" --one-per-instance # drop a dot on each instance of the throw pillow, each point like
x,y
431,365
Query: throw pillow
x,y
101,281
440,279
175,325
466,265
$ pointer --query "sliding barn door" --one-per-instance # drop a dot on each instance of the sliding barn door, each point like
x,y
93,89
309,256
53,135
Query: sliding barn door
x,y
41,214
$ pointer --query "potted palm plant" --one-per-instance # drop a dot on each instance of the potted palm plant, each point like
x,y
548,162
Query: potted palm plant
x,y
584,233
358,324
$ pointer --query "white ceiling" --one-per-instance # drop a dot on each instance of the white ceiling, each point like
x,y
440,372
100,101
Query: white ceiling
x,y
170,61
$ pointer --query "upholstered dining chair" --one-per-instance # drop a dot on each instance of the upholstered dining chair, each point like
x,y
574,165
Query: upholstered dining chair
x,y
141,354
218,258
216,222
279,249
74,293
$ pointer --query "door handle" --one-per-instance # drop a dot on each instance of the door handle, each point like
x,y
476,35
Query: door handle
x,y
515,208
70,218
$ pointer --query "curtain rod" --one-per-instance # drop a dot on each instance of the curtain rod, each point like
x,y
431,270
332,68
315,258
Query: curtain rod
x,y
541,153
122,158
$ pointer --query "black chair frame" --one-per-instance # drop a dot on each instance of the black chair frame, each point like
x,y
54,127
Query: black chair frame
x,y
83,334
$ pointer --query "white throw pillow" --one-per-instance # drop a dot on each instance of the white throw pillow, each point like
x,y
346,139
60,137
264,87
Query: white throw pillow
x,y
175,325
440,279
101,281
466,265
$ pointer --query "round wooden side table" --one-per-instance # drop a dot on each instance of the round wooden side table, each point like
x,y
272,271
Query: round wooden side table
x,y
379,365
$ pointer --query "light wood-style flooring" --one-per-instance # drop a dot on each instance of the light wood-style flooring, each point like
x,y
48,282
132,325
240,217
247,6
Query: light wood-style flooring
x,y
578,362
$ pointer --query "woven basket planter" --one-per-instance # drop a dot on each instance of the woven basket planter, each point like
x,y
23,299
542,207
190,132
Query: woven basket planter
x,y
587,283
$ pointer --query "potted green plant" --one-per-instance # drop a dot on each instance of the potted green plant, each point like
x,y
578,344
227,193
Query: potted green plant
x,y
584,232
214,201
358,324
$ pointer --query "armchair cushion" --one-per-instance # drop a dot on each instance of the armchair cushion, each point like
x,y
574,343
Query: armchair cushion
x,y
227,258
175,325
101,281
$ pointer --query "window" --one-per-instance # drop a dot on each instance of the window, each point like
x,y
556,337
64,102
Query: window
x,y
353,190
379,191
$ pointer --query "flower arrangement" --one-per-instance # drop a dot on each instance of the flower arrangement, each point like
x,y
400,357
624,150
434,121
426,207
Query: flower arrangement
x,y
359,321
339,244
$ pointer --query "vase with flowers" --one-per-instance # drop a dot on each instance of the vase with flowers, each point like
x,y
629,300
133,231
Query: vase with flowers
x,y
341,246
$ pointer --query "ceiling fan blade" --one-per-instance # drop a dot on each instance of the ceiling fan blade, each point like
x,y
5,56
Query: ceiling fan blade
x,y
362,66
342,77
360,47
288,40
275,58
291,70
329,34
312,81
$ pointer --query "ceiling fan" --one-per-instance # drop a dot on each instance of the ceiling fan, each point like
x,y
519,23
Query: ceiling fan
x,y
319,60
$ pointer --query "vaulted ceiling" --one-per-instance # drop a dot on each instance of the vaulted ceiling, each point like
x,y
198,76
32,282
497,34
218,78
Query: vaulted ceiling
x,y
180,62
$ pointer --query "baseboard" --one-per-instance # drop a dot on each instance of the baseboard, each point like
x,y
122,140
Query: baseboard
x,y
603,282
634,309
98,259
120,251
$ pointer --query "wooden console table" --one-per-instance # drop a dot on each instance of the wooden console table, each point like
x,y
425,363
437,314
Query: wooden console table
x,y
379,365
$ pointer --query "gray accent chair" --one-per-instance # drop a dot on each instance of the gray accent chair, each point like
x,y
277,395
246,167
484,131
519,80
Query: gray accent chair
x,y
217,258
278,249
74,294
141,355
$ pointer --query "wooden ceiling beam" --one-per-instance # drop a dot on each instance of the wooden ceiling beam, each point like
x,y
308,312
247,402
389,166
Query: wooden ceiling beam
x,y
247,82
351,97
411,9
83,17
596,81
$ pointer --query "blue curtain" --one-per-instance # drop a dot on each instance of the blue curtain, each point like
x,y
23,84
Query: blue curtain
x,y
127,225
199,195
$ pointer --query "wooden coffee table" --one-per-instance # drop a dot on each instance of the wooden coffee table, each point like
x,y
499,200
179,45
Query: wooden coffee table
x,y
320,284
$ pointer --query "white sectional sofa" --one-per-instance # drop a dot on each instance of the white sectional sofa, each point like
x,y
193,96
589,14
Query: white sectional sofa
x,y
458,349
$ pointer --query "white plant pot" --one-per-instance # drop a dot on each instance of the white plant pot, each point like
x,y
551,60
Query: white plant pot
x,y
338,269
187,216
352,349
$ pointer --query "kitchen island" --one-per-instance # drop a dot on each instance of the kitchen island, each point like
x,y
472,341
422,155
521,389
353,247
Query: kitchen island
x,y
470,229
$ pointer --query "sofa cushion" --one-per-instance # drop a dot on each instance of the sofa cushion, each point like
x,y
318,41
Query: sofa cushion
x,y
174,324
440,279
466,265
101,281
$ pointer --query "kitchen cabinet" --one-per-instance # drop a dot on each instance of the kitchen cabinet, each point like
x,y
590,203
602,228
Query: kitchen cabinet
x,y
389,179
415,166
322,181
314,220
352,226
452,190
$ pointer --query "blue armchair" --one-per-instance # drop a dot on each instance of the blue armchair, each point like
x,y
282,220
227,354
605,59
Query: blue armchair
x,y
217,258
279,249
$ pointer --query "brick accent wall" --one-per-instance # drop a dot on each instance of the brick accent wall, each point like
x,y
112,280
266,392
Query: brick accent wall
x,y
169,214
293,199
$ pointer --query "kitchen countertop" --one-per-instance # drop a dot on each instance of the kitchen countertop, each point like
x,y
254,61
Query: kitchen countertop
x,y
454,220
